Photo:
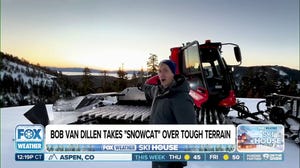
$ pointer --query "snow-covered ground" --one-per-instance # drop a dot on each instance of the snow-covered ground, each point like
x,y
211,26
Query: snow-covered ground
x,y
11,117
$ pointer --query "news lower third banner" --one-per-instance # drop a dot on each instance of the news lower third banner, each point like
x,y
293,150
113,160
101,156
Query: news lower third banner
x,y
140,134
149,142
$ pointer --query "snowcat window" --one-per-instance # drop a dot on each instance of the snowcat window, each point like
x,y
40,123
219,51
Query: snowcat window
x,y
195,82
192,60
207,70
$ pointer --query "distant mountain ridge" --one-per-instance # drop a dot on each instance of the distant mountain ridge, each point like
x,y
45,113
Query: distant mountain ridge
x,y
78,69
295,74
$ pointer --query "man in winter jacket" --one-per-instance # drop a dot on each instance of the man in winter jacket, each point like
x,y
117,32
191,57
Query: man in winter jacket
x,y
171,103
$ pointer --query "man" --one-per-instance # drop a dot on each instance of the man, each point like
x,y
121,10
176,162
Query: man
x,y
171,103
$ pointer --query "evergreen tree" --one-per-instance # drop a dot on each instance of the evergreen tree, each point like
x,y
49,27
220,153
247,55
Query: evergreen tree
x,y
141,73
121,73
122,81
134,76
104,81
152,65
87,84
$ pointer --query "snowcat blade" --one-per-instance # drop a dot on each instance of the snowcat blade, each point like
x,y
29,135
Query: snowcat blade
x,y
38,114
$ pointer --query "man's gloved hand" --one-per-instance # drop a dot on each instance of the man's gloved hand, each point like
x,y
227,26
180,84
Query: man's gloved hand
x,y
153,80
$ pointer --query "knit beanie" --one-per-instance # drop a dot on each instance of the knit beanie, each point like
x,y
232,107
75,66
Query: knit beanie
x,y
170,64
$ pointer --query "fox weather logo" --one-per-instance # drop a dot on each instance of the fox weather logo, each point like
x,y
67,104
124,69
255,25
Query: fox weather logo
x,y
29,137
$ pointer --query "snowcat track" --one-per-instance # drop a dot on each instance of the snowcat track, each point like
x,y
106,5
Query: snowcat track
x,y
210,116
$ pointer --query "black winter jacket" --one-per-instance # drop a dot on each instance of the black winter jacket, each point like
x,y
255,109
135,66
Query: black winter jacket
x,y
172,105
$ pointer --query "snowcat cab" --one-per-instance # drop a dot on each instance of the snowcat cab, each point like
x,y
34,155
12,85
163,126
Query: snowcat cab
x,y
210,78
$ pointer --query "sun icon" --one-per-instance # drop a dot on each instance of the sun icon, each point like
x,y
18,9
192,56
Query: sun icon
x,y
187,157
226,157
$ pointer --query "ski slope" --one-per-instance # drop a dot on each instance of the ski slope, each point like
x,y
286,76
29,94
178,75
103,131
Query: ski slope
x,y
13,116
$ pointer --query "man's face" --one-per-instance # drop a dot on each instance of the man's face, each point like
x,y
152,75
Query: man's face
x,y
165,75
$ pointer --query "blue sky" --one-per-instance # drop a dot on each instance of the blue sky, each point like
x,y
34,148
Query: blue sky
x,y
106,34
